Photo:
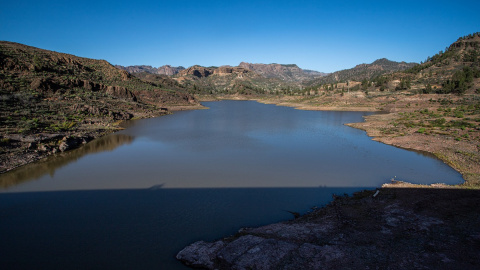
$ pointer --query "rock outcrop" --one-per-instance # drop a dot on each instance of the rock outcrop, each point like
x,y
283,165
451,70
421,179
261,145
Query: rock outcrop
x,y
198,71
121,92
163,70
230,70
392,229
289,73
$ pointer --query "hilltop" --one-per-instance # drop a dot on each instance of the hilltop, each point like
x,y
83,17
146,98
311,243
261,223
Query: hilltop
x,y
289,73
51,102
451,71
363,71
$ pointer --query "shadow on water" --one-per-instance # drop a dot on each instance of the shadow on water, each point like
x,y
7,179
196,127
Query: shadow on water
x,y
51,164
208,173
135,229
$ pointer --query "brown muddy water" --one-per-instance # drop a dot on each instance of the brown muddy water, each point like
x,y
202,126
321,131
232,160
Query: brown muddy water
x,y
133,199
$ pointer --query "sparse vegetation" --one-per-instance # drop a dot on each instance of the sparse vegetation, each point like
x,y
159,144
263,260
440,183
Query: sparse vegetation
x,y
54,94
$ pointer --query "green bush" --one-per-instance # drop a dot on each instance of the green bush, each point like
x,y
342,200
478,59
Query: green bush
x,y
439,122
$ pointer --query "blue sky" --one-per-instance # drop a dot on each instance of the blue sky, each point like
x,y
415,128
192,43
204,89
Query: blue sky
x,y
320,35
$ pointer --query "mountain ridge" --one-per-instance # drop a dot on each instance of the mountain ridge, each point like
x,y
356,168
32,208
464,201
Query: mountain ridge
x,y
162,70
363,71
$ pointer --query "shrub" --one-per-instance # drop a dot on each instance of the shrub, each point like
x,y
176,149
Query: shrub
x,y
439,122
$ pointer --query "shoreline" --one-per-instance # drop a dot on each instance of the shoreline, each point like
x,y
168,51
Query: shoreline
x,y
370,125
37,147
383,220
445,149
404,224
387,228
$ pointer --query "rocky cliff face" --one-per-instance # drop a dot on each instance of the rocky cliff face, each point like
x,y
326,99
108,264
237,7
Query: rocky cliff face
x,y
197,71
290,73
163,70
230,70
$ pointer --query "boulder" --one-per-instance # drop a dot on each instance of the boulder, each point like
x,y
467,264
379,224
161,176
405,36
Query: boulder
x,y
68,143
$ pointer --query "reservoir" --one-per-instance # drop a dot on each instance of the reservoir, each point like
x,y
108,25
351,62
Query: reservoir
x,y
133,199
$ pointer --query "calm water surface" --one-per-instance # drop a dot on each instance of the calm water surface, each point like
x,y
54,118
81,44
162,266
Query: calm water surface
x,y
135,198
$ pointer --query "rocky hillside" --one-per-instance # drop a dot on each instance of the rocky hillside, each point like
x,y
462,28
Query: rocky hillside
x,y
49,98
197,71
456,70
229,80
289,73
163,70
243,79
364,71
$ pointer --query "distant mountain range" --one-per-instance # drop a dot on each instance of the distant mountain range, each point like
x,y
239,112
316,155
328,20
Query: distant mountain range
x,y
284,75
252,78
45,92
287,73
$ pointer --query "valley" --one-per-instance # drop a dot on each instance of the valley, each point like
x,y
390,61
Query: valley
x,y
52,103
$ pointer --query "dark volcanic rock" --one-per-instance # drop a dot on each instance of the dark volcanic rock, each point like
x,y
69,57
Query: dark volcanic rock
x,y
397,229
121,92
68,143
44,85
200,254
120,115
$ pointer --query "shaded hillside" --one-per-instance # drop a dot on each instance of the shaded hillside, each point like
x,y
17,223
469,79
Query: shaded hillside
x,y
289,73
163,70
364,71
50,99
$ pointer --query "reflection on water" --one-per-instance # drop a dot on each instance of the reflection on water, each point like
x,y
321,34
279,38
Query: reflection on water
x,y
194,175
235,144
49,165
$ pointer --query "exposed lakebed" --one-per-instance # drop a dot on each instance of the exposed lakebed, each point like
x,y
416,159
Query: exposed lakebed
x,y
135,198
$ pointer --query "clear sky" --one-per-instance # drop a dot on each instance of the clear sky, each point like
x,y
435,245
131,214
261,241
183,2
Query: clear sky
x,y
321,35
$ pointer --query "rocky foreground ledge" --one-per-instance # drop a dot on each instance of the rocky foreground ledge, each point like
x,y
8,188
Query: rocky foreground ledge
x,y
399,228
